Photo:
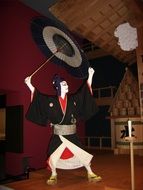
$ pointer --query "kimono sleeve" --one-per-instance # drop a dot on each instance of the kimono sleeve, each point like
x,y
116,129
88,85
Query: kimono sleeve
x,y
87,103
38,109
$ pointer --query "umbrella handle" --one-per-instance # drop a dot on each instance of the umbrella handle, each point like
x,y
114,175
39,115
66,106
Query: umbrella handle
x,y
58,50
42,65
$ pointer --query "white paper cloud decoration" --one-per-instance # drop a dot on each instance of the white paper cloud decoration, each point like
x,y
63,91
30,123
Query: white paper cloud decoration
x,y
127,37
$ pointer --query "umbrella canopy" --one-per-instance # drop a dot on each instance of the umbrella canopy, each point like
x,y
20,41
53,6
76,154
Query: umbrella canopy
x,y
56,41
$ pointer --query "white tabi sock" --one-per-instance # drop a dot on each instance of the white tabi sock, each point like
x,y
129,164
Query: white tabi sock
x,y
54,173
89,170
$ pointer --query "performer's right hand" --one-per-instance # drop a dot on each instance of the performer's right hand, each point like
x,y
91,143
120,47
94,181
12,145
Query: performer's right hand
x,y
27,80
29,84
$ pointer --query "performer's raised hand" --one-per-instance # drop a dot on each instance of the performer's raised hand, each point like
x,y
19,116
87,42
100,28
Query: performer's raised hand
x,y
90,75
29,84
27,80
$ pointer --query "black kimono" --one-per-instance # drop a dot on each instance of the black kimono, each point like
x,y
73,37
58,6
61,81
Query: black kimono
x,y
45,108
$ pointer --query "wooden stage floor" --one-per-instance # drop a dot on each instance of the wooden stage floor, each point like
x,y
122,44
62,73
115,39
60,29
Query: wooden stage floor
x,y
114,170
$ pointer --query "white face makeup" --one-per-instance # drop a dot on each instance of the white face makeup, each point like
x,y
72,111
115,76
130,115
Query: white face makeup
x,y
64,87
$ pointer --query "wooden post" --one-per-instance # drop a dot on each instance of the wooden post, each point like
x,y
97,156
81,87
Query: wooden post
x,y
139,53
131,155
132,165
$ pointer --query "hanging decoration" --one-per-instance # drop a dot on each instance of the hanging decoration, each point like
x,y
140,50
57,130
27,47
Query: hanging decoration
x,y
127,37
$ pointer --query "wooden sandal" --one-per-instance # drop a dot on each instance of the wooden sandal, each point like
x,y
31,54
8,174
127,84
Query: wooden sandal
x,y
94,178
52,180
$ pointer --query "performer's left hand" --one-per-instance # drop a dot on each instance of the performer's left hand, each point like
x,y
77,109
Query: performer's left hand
x,y
90,75
91,71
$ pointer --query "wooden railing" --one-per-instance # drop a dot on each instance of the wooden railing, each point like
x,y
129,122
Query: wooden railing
x,y
89,47
104,96
103,92
96,142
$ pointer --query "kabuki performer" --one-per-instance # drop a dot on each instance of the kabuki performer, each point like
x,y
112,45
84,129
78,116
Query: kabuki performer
x,y
62,111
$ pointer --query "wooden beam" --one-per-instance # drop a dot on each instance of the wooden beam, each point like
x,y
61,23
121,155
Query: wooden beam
x,y
139,52
96,53
136,12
